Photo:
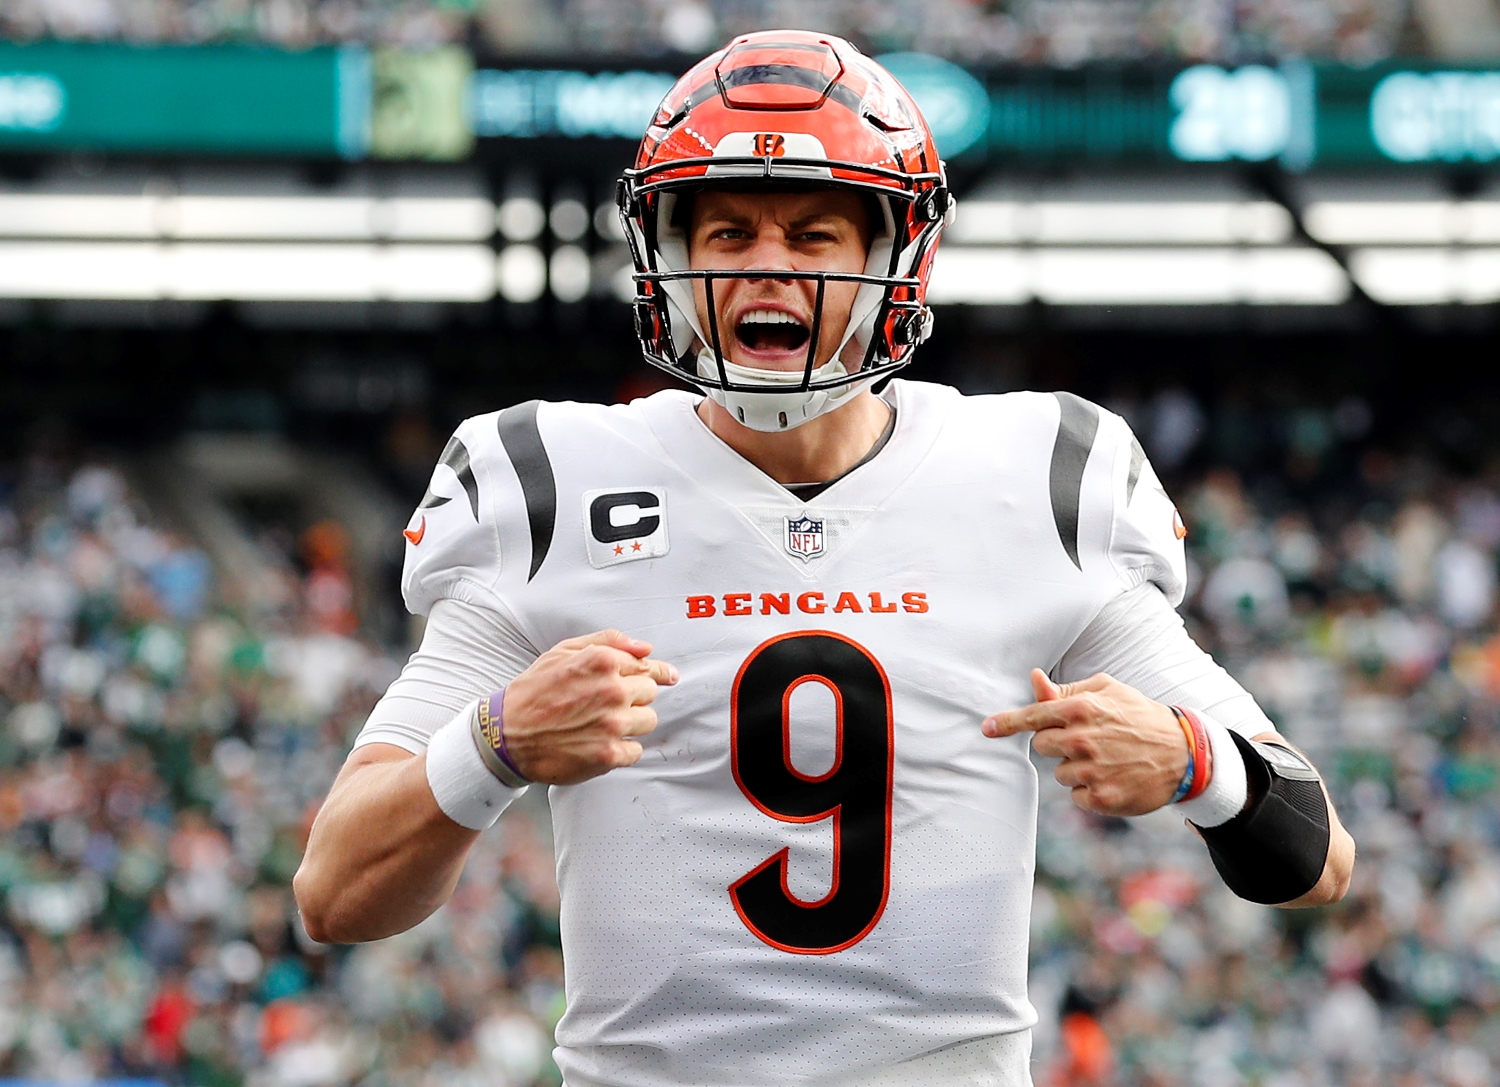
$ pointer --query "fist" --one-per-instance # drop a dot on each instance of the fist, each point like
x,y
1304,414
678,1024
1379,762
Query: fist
x,y
575,713
1122,753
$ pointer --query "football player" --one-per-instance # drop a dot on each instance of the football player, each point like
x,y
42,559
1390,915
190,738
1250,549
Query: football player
x,y
781,650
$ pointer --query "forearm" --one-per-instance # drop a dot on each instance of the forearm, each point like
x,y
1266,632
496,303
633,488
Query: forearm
x,y
382,856
1338,869
390,841
1140,641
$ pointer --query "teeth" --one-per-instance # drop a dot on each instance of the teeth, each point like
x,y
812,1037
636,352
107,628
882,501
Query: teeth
x,y
768,317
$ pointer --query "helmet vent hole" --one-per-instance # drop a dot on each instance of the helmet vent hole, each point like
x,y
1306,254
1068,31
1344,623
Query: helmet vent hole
x,y
782,417
742,414
882,124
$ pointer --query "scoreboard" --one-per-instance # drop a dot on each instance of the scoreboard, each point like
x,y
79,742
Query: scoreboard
x,y
1299,114
440,104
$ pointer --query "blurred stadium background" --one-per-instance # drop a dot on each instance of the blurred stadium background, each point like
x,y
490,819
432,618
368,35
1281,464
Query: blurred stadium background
x,y
257,257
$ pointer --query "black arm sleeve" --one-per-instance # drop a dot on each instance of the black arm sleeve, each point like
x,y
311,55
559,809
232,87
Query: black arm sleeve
x,y
1274,850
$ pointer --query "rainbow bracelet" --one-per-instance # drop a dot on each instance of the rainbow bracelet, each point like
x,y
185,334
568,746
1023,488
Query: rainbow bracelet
x,y
1200,756
1187,776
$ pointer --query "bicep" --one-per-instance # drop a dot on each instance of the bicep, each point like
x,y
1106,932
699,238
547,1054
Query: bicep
x,y
365,756
1140,640
371,754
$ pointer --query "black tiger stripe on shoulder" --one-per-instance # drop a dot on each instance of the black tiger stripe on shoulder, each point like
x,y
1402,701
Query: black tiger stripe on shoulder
x,y
1137,462
455,456
522,440
1078,423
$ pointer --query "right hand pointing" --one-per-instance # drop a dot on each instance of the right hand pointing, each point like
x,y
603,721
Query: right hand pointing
x,y
571,716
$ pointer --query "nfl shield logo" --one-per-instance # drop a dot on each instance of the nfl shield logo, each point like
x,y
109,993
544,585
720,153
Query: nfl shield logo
x,y
804,537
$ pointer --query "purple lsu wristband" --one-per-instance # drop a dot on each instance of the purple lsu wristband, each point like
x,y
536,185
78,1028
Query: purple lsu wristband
x,y
489,737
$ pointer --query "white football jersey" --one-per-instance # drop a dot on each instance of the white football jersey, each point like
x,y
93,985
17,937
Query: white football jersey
x,y
821,865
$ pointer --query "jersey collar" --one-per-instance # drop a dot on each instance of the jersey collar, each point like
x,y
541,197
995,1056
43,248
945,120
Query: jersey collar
x,y
705,458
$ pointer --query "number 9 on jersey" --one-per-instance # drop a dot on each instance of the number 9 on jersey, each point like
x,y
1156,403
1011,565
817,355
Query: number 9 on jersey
x,y
855,792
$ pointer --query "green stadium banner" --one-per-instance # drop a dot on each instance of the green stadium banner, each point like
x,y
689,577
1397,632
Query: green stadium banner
x,y
1298,113
185,100
420,109
1407,113
1001,114
431,104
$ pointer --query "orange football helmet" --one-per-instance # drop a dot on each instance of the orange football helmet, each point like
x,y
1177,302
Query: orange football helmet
x,y
786,108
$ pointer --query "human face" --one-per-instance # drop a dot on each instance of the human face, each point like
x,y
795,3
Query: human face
x,y
766,323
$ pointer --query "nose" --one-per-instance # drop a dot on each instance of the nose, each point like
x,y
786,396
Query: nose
x,y
770,251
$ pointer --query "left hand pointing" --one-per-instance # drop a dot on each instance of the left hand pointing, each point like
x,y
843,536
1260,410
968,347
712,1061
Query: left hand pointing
x,y
1122,753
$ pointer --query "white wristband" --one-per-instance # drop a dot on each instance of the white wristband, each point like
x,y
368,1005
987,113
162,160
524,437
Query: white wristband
x,y
1225,796
461,783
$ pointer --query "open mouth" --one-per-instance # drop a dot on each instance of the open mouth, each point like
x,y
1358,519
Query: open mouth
x,y
767,331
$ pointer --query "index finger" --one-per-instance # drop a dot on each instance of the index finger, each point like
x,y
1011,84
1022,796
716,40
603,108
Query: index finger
x,y
662,672
1032,718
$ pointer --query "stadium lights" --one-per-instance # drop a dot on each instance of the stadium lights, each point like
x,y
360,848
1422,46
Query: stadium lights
x,y
521,273
320,218
1403,222
521,218
569,273
1418,277
622,283
1070,222
36,216
449,218
569,219
247,272
607,222
1198,276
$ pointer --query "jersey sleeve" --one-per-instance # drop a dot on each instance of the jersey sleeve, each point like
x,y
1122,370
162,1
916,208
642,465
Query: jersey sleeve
x,y
453,539
1146,531
1140,640
466,651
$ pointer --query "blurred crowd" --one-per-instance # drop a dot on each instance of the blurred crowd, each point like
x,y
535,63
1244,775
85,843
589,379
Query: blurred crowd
x,y
1357,601
969,31
160,762
163,753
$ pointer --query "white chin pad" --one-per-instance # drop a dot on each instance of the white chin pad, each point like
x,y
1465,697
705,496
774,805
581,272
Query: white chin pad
x,y
770,411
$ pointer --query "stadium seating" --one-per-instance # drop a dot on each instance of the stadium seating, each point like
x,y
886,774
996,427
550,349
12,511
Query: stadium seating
x,y
1037,31
163,754
160,764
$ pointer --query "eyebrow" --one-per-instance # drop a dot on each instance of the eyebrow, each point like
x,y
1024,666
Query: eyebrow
x,y
733,219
